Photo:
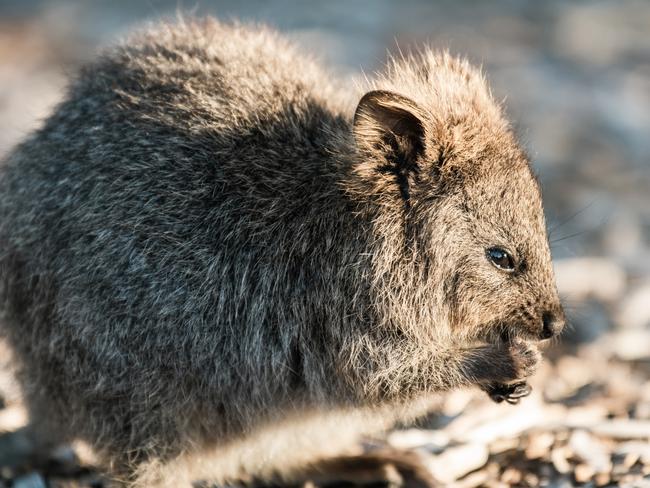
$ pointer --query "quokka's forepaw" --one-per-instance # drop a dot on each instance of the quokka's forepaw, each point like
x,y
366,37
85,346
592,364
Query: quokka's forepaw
x,y
511,393
525,359
522,361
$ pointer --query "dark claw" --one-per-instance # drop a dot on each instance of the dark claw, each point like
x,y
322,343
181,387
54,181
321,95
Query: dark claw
x,y
497,398
520,390
512,393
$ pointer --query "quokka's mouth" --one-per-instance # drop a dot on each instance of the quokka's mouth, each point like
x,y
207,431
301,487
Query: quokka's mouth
x,y
499,334
505,333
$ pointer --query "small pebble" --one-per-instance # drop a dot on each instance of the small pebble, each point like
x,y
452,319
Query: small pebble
x,y
531,479
583,473
511,476
633,451
539,445
455,462
559,460
32,480
473,480
493,470
503,445
602,479
590,450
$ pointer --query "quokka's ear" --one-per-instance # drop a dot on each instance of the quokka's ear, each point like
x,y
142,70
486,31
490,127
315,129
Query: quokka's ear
x,y
388,122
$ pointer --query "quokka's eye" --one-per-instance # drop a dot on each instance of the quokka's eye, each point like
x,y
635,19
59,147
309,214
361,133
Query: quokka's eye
x,y
501,259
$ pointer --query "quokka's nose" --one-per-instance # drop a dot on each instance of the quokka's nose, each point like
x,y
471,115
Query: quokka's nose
x,y
552,324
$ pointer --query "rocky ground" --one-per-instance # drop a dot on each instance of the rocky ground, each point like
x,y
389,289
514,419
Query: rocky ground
x,y
576,78
587,423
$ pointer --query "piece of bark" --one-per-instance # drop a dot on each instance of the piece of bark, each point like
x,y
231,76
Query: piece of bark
x,y
456,462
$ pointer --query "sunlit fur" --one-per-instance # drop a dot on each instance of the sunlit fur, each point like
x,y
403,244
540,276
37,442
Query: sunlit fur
x,y
197,249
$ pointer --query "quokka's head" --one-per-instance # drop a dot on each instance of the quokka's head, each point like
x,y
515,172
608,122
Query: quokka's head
x,y
463,205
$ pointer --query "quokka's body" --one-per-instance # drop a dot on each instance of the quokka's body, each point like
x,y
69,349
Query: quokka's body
x,y
207,262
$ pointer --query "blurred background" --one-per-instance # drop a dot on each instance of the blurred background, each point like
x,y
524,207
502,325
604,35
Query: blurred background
x,y
575,77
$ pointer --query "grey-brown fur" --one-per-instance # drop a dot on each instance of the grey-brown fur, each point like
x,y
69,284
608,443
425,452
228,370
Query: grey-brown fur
x,y
200,243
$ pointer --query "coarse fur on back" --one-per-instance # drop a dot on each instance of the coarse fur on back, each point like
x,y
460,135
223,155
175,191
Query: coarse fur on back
x,y
212,246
